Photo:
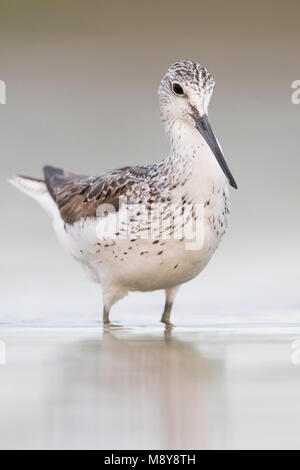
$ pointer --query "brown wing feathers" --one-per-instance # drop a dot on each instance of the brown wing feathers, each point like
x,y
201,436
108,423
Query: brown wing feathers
x,y
79,196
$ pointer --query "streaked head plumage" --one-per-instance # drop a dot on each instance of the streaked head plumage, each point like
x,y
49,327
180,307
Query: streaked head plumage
x,y
186,89
184,95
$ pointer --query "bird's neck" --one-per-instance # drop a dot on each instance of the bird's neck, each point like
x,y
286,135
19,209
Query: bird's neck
x,y
192,159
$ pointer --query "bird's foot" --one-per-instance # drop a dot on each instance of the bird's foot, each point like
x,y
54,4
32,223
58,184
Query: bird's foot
x,y
167,323
109,325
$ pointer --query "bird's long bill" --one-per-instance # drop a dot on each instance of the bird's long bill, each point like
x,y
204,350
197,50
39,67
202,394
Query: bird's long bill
x,y
203,126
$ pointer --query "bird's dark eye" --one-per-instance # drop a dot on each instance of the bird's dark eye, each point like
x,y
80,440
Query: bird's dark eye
x,y
177,89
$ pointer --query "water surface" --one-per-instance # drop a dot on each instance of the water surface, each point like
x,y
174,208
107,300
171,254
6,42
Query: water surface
x,y
216,386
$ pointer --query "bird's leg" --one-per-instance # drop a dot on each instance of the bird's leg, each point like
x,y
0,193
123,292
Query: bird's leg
x,y
170,297
108,302
167,312
105,315
110,296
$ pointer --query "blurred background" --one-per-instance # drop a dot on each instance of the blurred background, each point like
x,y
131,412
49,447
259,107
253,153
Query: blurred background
x,y
82,80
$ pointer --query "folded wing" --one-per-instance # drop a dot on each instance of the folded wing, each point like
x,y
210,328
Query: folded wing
x,y
79,196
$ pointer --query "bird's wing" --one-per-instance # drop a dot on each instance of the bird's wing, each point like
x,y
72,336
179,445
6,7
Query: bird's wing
x,y
79,196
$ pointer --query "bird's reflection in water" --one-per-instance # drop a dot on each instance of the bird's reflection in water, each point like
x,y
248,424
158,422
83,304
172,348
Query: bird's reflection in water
x,y
129,390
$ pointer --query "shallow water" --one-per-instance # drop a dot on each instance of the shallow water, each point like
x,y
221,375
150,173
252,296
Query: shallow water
x,y
211,387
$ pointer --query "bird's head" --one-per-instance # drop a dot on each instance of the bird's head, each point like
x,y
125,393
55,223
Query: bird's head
x,y
184,95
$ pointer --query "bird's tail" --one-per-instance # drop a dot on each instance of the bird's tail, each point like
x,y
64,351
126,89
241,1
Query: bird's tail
x,y
30,186
36,189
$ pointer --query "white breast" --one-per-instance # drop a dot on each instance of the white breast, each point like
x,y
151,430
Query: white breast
x,y
116,252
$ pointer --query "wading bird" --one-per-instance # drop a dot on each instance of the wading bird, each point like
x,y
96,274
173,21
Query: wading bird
x,y
194,175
